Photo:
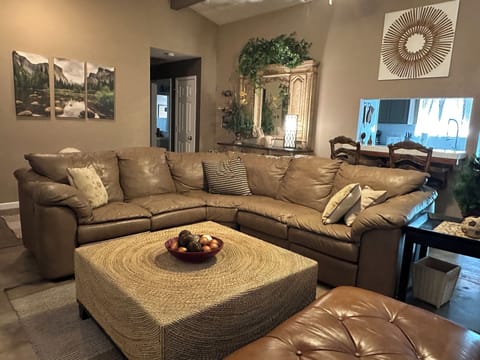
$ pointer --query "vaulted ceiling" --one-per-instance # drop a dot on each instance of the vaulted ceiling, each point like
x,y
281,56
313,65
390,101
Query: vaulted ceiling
x,y
227,11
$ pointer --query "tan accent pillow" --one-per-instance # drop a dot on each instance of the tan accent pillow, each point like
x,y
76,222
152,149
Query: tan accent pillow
x,y
89,183
368,198
340,203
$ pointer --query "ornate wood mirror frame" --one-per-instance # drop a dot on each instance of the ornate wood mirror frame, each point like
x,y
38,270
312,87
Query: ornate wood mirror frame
x,y
300,85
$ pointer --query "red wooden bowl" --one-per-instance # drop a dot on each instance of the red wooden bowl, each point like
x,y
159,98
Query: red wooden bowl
x,y
191,256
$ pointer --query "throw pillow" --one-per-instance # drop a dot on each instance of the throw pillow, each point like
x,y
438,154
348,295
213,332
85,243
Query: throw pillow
x,y
89,183
340,203
368,198
227,177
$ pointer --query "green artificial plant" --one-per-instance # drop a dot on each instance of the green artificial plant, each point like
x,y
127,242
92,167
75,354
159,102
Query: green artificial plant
x,y
267,118
236,116
259,52
467,187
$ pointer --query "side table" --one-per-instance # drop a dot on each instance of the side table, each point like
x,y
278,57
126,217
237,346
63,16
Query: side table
x,y
427,235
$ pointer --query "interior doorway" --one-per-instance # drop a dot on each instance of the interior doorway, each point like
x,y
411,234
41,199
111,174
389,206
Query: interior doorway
x,y
161,118
174,124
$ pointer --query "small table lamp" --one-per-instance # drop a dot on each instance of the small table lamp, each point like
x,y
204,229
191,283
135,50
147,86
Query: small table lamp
x,y
290,129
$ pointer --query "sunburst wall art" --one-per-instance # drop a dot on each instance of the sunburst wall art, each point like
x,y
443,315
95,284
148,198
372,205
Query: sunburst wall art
x,y
418,42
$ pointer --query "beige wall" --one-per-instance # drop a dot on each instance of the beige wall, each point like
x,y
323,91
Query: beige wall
x,y
346,41
117,33
351,60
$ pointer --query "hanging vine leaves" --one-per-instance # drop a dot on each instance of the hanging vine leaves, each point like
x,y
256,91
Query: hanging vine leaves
x,y
259,52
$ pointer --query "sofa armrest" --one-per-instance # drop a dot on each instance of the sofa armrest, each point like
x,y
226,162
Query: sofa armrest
x,y
394,213
56,194
24,175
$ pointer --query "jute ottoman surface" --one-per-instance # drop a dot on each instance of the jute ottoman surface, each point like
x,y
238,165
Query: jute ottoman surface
x,y
154,306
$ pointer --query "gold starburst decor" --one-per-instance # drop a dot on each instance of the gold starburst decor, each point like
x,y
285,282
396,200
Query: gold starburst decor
x,y
418,42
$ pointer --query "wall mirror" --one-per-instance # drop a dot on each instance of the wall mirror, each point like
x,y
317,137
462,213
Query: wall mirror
x,y
283,91
441,123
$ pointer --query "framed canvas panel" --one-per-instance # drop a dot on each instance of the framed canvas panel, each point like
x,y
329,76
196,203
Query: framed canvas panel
x,y
32,89
69,85
100,91
418,42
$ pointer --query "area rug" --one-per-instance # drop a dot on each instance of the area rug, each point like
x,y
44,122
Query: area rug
x,y
8,237
50,319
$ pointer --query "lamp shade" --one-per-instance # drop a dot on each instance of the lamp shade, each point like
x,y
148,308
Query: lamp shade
x,y
290,129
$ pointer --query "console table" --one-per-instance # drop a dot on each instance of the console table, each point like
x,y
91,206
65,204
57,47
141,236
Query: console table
x,y
429,234
264,150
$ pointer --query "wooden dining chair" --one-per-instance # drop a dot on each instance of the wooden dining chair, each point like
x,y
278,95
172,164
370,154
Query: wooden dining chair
x,y
418,158
346,149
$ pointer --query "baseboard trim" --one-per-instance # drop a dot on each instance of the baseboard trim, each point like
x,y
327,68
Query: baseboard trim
x,y
9,205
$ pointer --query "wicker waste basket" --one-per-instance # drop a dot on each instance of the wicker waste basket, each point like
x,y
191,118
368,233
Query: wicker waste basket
x,y
434,280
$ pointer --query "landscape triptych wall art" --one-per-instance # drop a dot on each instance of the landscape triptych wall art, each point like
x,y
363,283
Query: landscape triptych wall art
x,y
81,89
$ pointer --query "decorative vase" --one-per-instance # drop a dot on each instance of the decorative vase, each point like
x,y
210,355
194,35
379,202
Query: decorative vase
x,y
238,139
268,141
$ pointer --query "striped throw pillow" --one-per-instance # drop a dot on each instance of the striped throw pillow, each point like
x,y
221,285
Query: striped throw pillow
x,y
228,177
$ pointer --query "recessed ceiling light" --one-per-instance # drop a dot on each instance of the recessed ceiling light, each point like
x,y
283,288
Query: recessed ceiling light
x,y
169,53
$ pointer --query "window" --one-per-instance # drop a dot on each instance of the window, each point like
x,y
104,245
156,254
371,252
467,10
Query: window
x,y
441,123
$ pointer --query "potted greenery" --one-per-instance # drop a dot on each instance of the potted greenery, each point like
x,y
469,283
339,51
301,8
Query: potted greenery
x,y
467,187
236,116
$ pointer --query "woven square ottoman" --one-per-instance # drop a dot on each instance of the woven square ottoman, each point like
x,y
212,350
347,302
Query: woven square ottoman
x,y
155,306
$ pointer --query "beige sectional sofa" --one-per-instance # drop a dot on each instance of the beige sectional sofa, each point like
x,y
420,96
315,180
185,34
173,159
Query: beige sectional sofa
x,y
151,189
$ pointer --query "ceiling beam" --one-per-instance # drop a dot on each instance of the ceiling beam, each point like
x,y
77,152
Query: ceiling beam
x,y
180,4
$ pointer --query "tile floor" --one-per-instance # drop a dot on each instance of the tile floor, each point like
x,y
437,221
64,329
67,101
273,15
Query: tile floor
x,y
18,267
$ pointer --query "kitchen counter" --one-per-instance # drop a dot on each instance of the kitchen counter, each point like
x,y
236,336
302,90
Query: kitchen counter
x,y
446,157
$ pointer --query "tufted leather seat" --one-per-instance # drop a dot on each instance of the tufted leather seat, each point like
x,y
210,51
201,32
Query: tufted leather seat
x,y
353,323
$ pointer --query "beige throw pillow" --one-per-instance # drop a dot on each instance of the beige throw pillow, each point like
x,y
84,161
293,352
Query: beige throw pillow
x,y
89,183
368,198
340,203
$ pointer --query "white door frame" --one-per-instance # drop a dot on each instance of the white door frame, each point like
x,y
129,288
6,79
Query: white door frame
x,y
185,113
153,113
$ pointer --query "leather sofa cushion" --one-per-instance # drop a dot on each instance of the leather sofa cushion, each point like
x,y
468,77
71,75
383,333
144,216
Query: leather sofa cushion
x,y
116,211
263,225
394,181
308,181
178,218
110,230
105,163
354,323
164,203
337,248
268,207
217,200
265,172
144,171
312,221
187,169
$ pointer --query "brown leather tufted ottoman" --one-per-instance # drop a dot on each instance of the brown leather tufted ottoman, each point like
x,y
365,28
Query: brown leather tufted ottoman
x,y
353,323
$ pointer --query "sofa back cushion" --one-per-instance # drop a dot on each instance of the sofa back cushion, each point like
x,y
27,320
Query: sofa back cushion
x,y
264,172
393,181
187,168
309,181
54,166
144,171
